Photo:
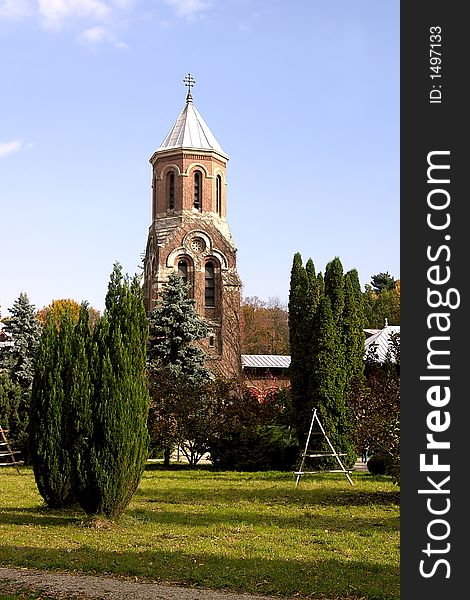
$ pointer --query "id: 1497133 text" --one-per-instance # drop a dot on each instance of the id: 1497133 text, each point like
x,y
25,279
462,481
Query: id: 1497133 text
x,y
435,47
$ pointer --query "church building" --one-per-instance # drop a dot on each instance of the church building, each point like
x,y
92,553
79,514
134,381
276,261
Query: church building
x,y
189,233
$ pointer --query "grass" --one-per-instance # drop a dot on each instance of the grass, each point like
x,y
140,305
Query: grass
x,y
249,532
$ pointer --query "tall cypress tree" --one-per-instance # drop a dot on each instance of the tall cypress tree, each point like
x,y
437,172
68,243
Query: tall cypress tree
x,y
81,390
113,459
323,321
299,342
353,326
334,287
50,441
335,404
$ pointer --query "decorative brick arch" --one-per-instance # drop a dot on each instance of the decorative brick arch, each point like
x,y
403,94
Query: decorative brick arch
x,y
171,167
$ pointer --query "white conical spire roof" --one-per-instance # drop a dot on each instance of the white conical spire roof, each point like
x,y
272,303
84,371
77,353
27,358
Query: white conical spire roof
x,y
190,131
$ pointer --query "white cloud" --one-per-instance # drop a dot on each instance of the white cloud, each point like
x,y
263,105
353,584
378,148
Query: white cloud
x,y
121,45
7,148
188,8
55,12
15,9
101,16
93,36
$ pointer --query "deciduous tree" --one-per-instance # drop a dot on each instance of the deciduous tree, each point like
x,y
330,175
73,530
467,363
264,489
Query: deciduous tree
x,y
375,406
381,300
265,328
57,307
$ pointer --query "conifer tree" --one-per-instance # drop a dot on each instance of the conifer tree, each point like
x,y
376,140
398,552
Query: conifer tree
x,y
175,326
353,326
17,361
324,368
299,339
10,398
326,342
112,458
175,362
333,364
81,390
334,287
25,329
50,440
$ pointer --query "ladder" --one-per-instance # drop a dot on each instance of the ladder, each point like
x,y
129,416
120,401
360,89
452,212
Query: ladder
x,y
308,454
7,455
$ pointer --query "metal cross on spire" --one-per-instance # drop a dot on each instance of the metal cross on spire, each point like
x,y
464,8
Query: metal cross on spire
x,y
189,81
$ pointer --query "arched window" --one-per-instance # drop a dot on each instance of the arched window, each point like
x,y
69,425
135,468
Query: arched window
x,y
170,190
218,195
210,285
198,190
183,270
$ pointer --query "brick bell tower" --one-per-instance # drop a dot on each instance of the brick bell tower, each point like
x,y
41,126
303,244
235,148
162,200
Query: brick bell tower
x,y
190,234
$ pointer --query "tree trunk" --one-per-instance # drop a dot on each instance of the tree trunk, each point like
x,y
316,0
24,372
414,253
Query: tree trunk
x,y
166,457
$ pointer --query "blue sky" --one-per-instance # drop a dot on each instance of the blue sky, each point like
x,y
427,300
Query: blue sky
x,y
303,96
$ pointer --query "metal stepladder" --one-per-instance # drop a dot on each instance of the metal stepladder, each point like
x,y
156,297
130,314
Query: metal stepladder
x,y
308,454
6,451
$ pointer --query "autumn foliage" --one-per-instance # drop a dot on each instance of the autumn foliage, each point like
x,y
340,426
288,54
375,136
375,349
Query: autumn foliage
x,y
65,306
264,327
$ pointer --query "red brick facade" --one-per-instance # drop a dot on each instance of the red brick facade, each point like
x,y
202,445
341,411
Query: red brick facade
x,y
189,233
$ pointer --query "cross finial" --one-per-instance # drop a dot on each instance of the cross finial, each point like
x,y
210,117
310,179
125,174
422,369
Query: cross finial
x,y
189,81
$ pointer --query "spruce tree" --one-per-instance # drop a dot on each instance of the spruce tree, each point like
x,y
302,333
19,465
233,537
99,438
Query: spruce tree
x,y
112,458
50,438
175,362
17,361
25,330
175,327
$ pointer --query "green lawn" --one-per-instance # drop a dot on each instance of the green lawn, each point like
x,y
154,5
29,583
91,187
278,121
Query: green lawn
x,y
251,532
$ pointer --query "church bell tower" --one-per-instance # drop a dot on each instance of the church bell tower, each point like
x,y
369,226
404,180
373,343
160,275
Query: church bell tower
x,y
190,234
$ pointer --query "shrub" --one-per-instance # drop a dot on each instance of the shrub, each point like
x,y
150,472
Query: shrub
x,y
269,447
380,464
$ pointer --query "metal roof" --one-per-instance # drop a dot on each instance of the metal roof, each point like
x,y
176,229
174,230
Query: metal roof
x,y
382,339
190,131
272,361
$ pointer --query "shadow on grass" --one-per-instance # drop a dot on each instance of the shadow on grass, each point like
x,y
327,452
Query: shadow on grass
x,y
219,489
309,520
43,516
315,579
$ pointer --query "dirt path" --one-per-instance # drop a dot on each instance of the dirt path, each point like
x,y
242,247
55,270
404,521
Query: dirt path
x,y
67,585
